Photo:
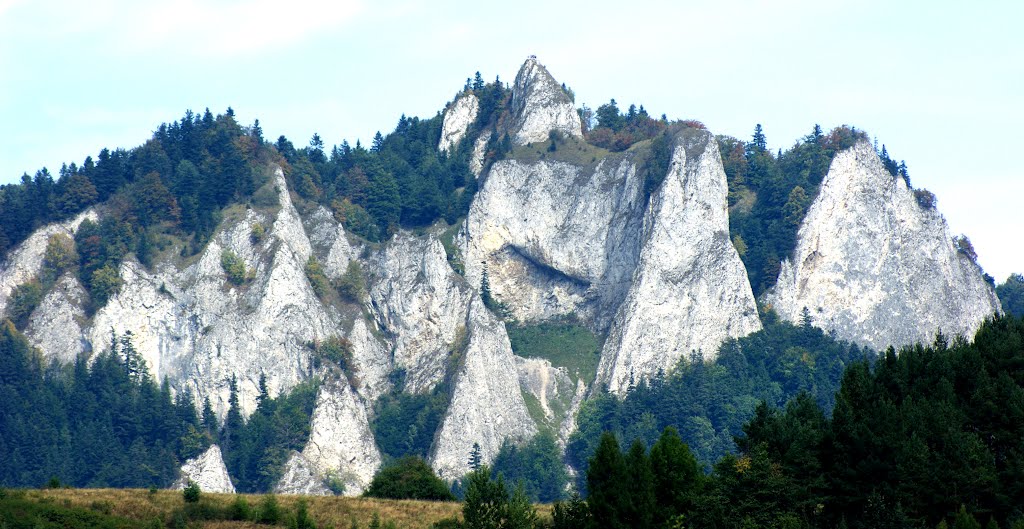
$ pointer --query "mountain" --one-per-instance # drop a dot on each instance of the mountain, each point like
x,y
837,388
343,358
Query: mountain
x,y
514,219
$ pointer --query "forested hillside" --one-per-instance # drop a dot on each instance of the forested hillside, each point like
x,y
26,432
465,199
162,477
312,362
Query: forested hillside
x,y
929,437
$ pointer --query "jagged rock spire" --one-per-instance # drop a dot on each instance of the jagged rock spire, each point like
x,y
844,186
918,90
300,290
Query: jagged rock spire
x,y
540,105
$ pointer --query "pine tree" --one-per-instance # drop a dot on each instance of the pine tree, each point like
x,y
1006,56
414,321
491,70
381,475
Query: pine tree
x,y
608,484
485,287
475,459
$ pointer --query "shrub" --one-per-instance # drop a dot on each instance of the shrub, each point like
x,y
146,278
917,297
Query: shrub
x,y
302,518
256,233
191,492
60,255
234,267
270,511
352,284
316,276
24,300
925,198
409,478
240,509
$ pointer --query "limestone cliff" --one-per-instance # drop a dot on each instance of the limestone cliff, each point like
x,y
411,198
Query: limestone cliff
x,y
556,238
457,120
689,291
198,329
659,271
540,105
208,471
487,405
340,446
876,267
420,303
56,325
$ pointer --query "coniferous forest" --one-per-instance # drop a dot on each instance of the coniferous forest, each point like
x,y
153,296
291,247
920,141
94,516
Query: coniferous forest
x,y
787,427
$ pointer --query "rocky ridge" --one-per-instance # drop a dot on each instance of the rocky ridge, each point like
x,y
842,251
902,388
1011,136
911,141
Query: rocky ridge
x,y
876,267
487,404
690,290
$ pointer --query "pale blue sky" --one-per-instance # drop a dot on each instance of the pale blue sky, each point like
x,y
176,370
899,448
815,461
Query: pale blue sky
x,y
940,83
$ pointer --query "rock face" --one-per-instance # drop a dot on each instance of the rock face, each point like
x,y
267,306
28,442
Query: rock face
x,y
24,262
690,290
421,303
539,106
199,330
56,325
877,268
208,471
556,238
340,446
556,395
457,120
660,272
487,405
476,162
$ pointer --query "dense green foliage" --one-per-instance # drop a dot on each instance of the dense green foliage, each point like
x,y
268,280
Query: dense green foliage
x,y
405,423
1011,295
409,478
769,194
102,424
617,131
536,466
177,181
563,343
708,402
930,436
488,504
256,450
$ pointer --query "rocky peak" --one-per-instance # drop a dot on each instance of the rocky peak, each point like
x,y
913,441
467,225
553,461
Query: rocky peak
x,y
689,292
876,267
340,445
487,406
459,116
540,105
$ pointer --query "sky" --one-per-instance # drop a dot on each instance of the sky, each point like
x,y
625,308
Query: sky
x,y
939,83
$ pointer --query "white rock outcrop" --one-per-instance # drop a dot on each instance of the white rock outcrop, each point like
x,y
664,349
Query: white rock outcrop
x,y
24,262
690,291
556,238
208,471
199,330
660,272
301,477
476,161
340,445
421,303
56,325
557,395
459,116
487,405
877,268
540,105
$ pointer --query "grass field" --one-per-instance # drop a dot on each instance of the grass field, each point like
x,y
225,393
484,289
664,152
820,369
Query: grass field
x,y
116,508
